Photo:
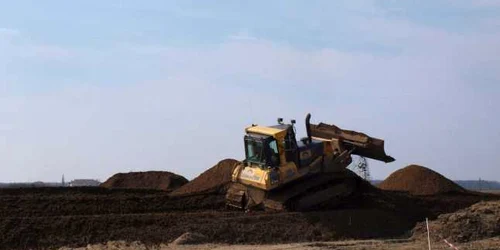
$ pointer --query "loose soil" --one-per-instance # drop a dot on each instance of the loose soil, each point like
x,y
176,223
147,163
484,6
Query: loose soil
x,y
418,180
162,180
480,221
78,201
55,217
214,180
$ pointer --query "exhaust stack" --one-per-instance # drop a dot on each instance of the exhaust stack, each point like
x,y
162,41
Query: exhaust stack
x,y
308,127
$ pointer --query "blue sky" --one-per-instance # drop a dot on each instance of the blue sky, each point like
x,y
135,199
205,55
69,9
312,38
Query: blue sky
x,y
91,88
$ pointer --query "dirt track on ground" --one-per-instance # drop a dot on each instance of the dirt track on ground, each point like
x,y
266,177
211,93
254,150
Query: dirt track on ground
x,y
489,244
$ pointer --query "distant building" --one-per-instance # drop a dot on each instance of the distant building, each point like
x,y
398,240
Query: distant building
x,y
38,184
84,183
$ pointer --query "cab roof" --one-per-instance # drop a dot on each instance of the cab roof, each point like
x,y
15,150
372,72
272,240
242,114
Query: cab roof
x,y
268,130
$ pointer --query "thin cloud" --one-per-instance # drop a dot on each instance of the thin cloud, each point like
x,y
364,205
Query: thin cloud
x,y
6,32
144,126
424,100
48,52
486,3
476,4
242,36
25,48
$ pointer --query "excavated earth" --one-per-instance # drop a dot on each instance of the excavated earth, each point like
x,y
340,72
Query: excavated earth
x,y
477,222
54,217
419,180
162,180
214,180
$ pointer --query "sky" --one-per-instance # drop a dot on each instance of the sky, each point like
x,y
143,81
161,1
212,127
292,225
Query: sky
x,y
92,88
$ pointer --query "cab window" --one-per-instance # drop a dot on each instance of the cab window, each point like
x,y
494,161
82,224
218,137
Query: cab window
x,y
254,151
275,157
274,146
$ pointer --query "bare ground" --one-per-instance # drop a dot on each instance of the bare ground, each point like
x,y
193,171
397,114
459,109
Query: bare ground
x,y
487,244
41,218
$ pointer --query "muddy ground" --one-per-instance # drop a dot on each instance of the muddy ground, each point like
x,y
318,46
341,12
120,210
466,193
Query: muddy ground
x,y
75,217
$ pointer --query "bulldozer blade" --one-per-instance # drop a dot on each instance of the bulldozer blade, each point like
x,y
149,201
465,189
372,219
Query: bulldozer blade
x,y
235,196
360,143
243,197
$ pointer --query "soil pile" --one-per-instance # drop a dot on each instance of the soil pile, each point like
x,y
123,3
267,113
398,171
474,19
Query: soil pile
x,y
418,180
214,180
480,221
146,180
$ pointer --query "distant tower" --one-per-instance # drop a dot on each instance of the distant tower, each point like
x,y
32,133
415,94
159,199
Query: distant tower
x,y
62,181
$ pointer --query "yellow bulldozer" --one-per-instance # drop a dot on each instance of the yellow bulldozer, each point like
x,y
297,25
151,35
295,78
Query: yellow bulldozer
x,y
281,173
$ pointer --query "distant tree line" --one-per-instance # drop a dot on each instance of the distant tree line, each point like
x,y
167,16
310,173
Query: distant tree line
x,y
29,184
75,183
468,184
479,184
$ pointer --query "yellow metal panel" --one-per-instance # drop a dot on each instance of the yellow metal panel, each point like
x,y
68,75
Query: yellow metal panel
x,y
253,176
265,130
280,141
260,178
258,185
320,139
288,172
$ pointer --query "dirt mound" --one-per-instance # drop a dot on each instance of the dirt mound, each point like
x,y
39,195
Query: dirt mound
x,y
147,180
418,180
480,221
214,180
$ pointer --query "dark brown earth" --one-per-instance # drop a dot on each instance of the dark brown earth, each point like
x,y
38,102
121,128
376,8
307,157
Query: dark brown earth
x,y
418,180
30,202
213,180
162,180
480,221
76,217
53,217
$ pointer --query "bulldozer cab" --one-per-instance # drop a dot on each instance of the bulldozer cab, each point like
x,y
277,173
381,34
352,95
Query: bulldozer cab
x,y
270,146
273,146
261,150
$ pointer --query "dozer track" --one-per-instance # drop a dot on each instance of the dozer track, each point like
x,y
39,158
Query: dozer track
x,y
307,194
